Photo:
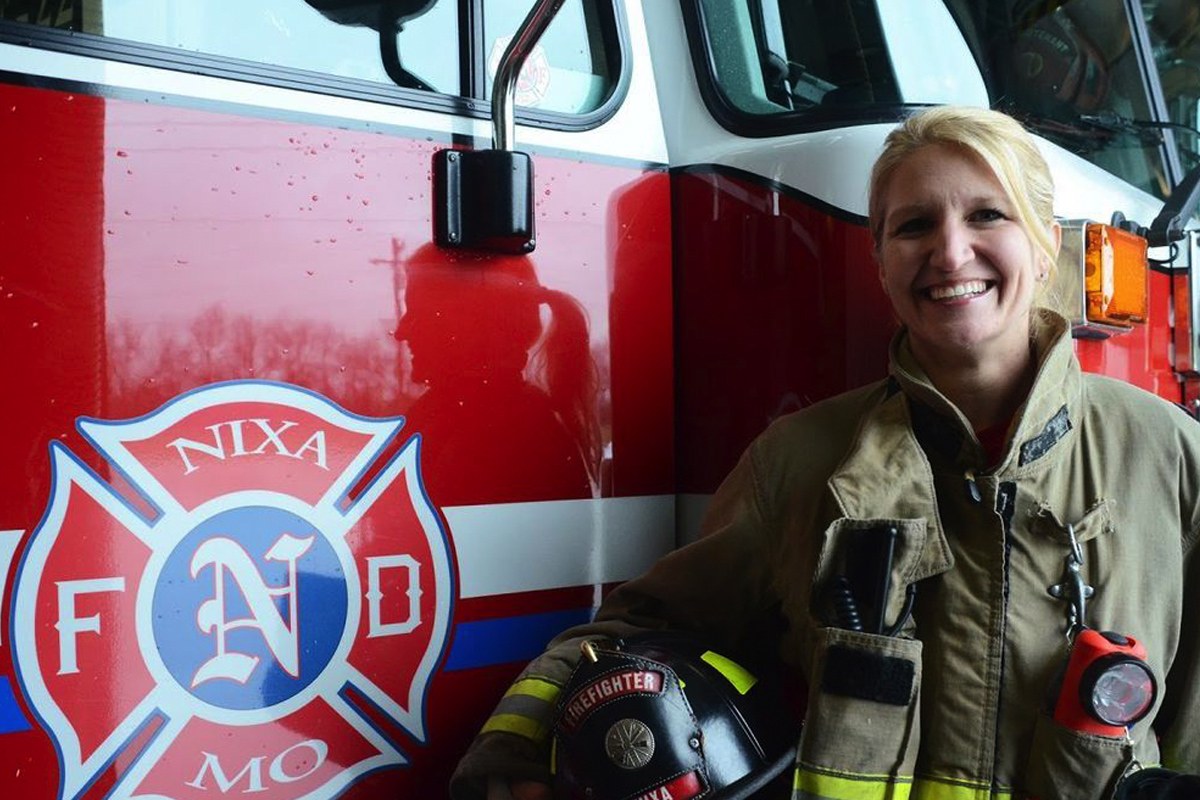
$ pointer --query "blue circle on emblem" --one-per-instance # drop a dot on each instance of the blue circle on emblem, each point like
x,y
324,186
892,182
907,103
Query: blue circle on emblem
x,y
249,608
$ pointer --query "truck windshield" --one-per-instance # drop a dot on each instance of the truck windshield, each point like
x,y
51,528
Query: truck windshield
x,y
1071,71
1174,27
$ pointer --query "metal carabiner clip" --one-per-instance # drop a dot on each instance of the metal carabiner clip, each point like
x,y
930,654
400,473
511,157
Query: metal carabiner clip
x,y
1073,588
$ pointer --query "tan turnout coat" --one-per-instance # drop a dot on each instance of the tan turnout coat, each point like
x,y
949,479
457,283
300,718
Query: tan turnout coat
x,y
982,545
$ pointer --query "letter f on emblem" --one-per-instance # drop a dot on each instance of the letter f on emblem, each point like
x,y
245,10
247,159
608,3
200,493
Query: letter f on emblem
x,y
70,625
227,557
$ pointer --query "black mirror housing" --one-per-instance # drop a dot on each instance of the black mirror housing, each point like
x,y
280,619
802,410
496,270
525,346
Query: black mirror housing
x,y
483,200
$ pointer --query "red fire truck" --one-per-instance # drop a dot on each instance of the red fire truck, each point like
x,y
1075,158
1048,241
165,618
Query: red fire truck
x,y
353,349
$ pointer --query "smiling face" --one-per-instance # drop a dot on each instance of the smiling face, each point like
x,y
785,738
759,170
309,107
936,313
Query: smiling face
x,y
957,264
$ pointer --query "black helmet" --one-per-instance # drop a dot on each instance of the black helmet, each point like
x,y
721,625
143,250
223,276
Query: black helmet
x,y
660,716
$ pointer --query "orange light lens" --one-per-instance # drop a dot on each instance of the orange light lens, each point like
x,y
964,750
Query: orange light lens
x,y
1116,276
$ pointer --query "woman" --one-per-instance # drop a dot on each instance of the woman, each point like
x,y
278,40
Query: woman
x,y
995,459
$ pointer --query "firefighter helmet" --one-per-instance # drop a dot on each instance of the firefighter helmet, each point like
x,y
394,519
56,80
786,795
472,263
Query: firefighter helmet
x,y
659,715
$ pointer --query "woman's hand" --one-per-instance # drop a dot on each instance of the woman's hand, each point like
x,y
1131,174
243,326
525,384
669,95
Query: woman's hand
x,y
500,789
530,790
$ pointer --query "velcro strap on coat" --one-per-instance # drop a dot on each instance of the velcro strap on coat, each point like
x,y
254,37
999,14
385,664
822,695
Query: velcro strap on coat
x,y
868,676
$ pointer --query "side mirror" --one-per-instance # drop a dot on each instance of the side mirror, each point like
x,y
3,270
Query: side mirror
x,y
483,199
378,14
1170,223
386,17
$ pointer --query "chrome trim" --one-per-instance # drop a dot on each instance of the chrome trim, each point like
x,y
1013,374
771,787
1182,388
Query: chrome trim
x,y
505,84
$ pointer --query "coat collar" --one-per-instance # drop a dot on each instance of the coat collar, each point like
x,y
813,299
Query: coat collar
x,y
886,473
1045,420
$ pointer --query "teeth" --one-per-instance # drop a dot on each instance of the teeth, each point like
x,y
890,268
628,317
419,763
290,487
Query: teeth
x,y
957,290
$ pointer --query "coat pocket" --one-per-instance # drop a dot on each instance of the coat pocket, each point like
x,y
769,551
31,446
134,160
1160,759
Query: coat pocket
x,y
1095,521
879,559
1065,764
862,725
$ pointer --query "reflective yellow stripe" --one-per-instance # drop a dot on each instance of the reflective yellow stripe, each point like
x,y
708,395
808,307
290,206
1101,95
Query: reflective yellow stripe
x,y
848,786
735,673
535,687
932,789
515,723
829,785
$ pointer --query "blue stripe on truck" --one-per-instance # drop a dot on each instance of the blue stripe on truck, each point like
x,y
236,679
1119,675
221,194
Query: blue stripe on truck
x,y
503,641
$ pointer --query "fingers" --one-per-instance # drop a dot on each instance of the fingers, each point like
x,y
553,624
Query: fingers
x,y
530,790
500,789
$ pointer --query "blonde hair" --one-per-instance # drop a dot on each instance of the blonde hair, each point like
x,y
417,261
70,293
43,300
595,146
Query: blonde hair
x,y
996,139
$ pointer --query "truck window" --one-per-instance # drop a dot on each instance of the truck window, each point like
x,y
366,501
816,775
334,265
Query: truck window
x,y
779,57
573,70
1070,70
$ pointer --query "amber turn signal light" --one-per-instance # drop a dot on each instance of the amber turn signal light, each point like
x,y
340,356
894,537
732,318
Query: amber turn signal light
x,y
1116,276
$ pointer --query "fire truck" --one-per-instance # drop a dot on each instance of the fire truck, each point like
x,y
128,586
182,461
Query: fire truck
x,y
354,349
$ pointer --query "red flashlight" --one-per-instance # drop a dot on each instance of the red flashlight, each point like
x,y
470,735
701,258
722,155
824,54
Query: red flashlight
x,y
1108,685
